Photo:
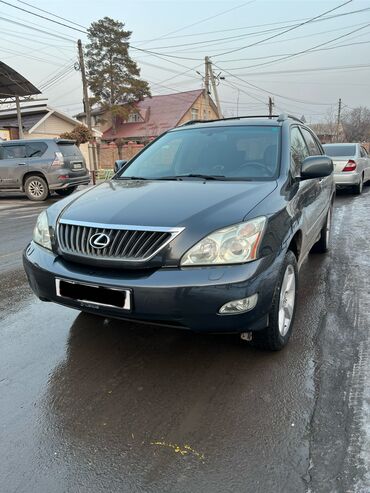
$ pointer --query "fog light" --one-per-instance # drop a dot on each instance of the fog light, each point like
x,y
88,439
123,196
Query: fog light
x,y
63,177
239,306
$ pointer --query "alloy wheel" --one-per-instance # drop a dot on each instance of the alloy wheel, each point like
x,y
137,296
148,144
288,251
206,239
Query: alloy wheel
x,y
36,188
287,300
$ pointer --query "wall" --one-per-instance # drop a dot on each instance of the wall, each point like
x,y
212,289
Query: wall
x,y
200,106
52,127
108,153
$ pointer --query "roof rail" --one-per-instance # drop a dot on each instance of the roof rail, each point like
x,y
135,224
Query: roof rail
x,y
280,118
285,116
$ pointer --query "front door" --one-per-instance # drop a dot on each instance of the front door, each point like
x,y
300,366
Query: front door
x,y
13,165
308,192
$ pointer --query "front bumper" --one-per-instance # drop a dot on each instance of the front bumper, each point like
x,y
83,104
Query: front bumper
x,y
185,298
347,178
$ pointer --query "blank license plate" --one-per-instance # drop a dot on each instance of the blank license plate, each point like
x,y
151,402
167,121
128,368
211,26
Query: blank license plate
x,y
94,295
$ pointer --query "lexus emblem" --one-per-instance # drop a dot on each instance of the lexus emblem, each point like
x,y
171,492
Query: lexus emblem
x,y
99,240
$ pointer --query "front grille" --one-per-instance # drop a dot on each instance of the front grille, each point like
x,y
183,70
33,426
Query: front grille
x,y
126,243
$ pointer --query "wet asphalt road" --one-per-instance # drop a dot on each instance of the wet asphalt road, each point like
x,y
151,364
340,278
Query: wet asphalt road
x,y
95,405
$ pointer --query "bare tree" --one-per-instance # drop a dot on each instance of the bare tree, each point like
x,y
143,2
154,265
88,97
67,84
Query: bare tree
x,y
356,124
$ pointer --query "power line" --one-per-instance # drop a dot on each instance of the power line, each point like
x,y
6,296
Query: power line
x,y
285,31
206,19
293,54
37,29
50,13
271,92
256,25
42,16
308,50
303,71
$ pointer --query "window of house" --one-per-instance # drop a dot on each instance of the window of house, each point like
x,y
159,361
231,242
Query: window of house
x,y
299,150
134,117
194,113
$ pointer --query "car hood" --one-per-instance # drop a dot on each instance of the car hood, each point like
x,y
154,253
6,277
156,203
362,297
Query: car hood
x,y
206,204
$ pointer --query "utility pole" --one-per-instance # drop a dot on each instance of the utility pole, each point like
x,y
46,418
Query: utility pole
x,y
214,87
87,109
84,85
338,117
19,118
206,88
271,105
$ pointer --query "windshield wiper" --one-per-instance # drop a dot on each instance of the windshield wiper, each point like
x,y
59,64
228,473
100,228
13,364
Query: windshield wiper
x,y
131,178
200,175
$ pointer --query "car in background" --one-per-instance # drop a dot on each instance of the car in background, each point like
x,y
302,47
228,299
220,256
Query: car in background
x,y
351,165
38,167
205,229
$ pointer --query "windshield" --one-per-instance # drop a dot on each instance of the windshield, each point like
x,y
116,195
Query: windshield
x,y
235,152
340,150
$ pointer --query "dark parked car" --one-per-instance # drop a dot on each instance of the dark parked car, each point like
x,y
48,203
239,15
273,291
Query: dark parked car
x,y
37,167
205,229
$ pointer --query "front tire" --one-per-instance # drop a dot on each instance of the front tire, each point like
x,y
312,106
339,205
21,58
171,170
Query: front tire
x,y
36,188
277,334
64,192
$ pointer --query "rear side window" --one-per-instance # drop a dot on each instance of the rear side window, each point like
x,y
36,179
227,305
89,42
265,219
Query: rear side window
x,y
363,152
299,150
69,150
312,145
13,152
36,149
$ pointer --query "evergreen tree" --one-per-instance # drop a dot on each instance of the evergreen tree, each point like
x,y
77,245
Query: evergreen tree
x,y
113,77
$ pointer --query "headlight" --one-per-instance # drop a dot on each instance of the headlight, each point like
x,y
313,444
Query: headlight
x,y
233,245
41,234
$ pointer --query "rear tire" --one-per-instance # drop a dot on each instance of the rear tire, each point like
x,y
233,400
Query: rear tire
x,y
64,192
36,188
281,317
323,244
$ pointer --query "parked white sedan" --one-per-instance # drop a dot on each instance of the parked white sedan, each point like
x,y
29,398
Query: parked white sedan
x,y
351,165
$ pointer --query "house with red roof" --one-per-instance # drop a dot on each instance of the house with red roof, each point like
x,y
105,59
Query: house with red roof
x,y
153,116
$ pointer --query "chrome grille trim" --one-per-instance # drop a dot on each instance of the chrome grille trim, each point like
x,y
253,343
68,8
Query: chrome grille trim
x,y
129,243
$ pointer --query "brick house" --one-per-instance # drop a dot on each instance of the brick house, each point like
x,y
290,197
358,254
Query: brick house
x,y
153,116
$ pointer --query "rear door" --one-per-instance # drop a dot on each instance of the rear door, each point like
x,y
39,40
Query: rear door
x,y
13,165
73,158
38,157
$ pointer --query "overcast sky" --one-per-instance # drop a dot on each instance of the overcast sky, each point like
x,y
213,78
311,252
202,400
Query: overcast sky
x,y
307,84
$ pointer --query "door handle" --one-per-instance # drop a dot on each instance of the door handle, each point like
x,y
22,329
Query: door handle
x,y
22,164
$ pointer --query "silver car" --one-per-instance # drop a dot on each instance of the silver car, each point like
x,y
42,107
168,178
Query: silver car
x,y
351,165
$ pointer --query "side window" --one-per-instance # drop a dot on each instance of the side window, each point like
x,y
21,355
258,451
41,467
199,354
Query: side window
x,y
298,150
14,152
36,149
312,145
363,152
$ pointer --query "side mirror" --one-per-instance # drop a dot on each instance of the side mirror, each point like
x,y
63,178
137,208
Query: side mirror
x,y
119,164
316,167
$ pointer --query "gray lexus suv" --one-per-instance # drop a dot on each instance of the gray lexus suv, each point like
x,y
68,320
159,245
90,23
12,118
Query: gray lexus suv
x,y
38,167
